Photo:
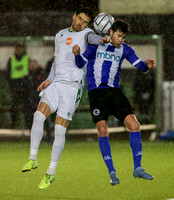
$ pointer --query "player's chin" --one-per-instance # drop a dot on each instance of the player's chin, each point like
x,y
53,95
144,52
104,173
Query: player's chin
x,y
117,44
79,28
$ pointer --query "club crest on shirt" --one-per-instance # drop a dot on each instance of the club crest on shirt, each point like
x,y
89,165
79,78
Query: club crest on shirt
x,y
68,114
96,112
68,41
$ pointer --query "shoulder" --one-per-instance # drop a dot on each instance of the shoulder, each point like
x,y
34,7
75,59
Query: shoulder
x,y
127,48
87,30
63,31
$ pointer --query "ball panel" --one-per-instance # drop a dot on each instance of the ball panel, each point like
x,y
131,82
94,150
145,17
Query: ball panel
x,y
103,23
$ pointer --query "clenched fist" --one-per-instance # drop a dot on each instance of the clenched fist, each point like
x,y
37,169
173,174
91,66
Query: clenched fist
x,y
76,50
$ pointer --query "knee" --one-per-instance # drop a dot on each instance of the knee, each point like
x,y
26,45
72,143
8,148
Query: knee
x,y
59,134
132,123
102,131
38,116
134,127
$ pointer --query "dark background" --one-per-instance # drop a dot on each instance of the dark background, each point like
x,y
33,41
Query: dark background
x,y
20,18
43,17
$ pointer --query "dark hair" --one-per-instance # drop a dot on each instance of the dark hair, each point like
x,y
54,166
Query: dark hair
x,y
121,25
87,11
20,45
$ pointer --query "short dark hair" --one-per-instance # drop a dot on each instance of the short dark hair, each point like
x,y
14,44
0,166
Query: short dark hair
x,y
20,45
121,25
87,11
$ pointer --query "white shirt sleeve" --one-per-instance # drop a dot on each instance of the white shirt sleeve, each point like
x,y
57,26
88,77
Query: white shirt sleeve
x,y
92,38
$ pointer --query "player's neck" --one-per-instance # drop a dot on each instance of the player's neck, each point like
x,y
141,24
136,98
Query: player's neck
x,y
70,29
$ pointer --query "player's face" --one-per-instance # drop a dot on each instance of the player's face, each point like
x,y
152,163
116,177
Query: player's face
x,y
80,22
117,37
19,51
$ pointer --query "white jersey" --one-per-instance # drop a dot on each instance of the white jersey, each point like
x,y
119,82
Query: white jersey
x,y
65,68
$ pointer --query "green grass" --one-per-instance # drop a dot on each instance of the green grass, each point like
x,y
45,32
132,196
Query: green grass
x,y
82,175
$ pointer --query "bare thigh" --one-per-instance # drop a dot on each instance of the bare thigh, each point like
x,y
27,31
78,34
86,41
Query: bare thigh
x,y
44,109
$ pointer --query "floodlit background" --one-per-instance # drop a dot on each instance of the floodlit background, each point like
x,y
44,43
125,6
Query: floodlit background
x,y
34,24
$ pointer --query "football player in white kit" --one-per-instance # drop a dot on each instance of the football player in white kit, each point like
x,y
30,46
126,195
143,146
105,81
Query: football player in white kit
x,y
61,91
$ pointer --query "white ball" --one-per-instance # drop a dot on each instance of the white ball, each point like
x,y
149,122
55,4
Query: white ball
x,y
103,23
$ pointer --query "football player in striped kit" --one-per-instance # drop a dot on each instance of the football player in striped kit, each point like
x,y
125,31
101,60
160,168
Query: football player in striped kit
x,y
61,91
105,96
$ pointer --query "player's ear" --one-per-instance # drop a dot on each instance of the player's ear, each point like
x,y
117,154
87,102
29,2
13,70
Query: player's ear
x,y
74,16
111,32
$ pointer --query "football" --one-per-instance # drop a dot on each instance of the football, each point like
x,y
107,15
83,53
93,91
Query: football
x,y
103,23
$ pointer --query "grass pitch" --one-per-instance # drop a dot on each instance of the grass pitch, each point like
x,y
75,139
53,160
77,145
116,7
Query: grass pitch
x,y
82,175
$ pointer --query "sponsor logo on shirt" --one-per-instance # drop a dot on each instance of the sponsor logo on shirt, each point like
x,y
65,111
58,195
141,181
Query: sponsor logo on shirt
x,y
68,41
108,56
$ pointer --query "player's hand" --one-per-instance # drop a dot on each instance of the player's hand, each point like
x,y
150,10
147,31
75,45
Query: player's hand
x,y
76,50
43,85
150,63
106,39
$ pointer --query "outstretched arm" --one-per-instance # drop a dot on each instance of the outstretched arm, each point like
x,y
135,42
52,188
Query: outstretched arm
x,y
92,38
137,62
145,66
150,63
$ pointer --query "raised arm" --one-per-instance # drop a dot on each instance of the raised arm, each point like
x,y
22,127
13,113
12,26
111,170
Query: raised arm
x,y
136,61
145,66
80,62
150,63
92,38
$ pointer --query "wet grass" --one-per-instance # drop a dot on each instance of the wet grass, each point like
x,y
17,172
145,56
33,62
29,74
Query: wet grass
x,y
81,173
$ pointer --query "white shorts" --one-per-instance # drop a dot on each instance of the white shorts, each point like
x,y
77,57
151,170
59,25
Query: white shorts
x,y
62,98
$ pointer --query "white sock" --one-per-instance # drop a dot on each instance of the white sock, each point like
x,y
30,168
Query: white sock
x,y
58,145
52,168
33,154
36,134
